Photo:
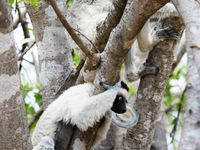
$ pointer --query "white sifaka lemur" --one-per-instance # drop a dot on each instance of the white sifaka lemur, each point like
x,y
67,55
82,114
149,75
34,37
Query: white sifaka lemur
x,y
85,17
76,106
152,33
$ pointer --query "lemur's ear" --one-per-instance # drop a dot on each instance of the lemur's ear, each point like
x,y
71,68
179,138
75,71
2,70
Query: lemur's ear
x,y
124,85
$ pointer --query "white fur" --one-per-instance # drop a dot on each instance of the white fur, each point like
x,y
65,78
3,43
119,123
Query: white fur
x,y
145,42
46,143
77,107
147,38
85,17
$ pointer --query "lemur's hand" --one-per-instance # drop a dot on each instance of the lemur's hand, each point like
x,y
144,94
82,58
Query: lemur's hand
x,y
106,86
167,33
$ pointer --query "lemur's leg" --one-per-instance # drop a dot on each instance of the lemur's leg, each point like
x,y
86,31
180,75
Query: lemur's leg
x,y
152,33
134,61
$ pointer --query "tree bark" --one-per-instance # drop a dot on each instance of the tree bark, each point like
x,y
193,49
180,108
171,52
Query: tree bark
x,y
159,139
150,92
149,98
13,121
190,137
135,15
55,57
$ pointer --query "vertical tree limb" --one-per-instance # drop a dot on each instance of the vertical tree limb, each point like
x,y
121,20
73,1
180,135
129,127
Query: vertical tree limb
x,y
150,92
14,133
55,57
191,129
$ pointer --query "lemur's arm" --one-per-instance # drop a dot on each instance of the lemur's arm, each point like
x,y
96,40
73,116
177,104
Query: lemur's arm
x,y
145,39
95,109
151,34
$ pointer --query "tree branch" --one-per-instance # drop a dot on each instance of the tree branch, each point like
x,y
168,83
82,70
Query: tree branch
x,y
135,15
103,32
94,58
150,91
111,21
180,106
36,117
25,51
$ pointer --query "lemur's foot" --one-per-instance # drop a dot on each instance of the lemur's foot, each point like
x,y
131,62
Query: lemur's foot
x,y
167,33
144,71
149,70
118,84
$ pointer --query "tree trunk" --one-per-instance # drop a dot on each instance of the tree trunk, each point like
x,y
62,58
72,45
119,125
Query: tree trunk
x,y
149,98
159,139
150,92
120,41
190,137
13,121
54,52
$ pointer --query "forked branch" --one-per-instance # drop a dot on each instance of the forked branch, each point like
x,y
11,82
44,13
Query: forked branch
x,y
94,58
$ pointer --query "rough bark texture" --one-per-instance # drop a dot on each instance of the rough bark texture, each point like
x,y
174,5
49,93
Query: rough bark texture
x,y
103,33
14,132
109,142
122,37
135,15
149,98
150,92
190,138
159,139
54,52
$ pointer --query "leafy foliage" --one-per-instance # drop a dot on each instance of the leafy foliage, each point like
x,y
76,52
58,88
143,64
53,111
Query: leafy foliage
x,y
11,2
69,3
32,96
175,102
76,59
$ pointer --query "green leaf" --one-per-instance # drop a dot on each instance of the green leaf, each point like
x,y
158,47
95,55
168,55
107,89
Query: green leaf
x,y
38,98
173,121
36,7
33,1
11,2
69,3
20,1
76,59
38,86
131,90
122,68
29,110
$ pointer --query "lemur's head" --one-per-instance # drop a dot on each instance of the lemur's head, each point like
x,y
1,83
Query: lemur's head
x,y
119,104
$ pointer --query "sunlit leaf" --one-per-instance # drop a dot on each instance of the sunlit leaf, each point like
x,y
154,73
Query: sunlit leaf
x,y
11,2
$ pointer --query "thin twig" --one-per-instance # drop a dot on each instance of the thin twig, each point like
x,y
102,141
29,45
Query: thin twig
x,y
73,35
180,105
25,51
86,38
35,117
36,64
79,67
28,61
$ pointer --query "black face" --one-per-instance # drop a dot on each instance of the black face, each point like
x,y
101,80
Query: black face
x,y
119,105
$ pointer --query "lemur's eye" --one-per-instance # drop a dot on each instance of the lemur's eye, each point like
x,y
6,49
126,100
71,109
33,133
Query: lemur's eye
x,y
120,98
